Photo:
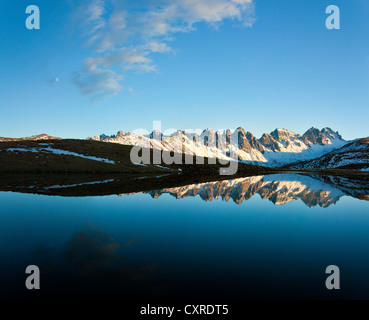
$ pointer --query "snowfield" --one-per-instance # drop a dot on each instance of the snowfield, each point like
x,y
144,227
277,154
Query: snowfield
x,y
59,151
355,154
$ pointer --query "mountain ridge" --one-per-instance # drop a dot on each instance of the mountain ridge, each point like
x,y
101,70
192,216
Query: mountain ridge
x,y
42,136
280,147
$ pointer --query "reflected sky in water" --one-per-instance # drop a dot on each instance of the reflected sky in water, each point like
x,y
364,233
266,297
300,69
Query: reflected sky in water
x,y
138,247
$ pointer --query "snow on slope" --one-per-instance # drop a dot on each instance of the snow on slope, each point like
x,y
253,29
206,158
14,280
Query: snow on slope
x,y
302,153
354,155
59,151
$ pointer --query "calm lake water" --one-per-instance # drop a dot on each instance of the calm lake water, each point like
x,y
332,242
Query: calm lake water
x,y
259,237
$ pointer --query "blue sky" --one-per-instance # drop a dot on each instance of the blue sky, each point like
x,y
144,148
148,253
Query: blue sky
x,y
217,64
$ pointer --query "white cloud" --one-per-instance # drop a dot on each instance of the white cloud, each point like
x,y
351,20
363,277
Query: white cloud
x,y
92,16
97,82
160,47
123,38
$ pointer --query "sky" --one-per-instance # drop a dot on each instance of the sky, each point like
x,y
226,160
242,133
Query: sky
x,y
100,66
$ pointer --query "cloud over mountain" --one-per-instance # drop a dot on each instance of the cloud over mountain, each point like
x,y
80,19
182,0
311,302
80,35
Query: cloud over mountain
x,y
124,35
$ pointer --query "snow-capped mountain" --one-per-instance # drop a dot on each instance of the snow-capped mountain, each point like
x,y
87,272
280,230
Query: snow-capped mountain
x,y
278,148
354,155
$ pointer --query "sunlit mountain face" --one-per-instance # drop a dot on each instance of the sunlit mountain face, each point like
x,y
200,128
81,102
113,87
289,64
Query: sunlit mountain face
x,y
278,188
280,147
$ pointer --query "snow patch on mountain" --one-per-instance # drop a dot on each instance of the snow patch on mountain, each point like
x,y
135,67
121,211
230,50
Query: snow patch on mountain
x,y
60,152
354,155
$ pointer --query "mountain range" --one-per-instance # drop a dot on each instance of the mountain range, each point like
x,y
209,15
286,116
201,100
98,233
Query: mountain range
x,y
280,147
88,167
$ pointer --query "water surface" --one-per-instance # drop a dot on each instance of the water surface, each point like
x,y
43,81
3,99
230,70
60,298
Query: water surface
x,y
256,237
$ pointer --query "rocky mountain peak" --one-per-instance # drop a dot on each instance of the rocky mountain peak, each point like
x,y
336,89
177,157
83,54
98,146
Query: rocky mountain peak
x,y
314,135
329,133
269,142
282,134
119,134
243,143
240,129
254,143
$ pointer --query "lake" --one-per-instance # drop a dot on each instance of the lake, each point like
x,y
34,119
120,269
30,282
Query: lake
x,y
248,238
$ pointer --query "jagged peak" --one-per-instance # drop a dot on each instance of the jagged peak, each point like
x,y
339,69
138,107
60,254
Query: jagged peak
x,y
331,133
283,130
327,129
208,130
121,133
312,129
265,134
176,133
282,134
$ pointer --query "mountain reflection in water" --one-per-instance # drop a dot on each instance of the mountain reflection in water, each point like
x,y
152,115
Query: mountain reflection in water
x,y
278,188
